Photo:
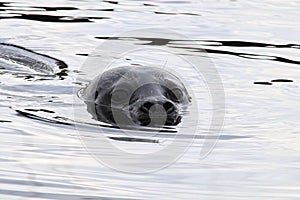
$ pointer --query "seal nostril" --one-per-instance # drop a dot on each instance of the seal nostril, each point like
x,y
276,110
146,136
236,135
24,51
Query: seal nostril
x,y
145,121
169,107
146,106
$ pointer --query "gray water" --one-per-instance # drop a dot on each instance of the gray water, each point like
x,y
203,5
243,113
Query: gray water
x,y
250,43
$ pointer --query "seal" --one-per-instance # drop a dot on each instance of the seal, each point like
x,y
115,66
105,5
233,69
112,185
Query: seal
x,y
144,96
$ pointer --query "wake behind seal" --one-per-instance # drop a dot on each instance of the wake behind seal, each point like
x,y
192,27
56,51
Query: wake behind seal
x,y
143,96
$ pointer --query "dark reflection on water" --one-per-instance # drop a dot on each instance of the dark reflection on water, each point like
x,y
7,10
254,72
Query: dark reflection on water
x,y
273,81
249,44
40,110
16,13
130,139
262,83
5,121
52,18
3,4
55,8
252,56
112,2
32,116
165,41
148,4
282,80
175,13
152,41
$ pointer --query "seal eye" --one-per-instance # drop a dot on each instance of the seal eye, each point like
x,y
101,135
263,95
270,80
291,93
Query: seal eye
x,y
119,96
175,94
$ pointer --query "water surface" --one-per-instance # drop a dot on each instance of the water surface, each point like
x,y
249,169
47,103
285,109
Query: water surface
x,y
253,44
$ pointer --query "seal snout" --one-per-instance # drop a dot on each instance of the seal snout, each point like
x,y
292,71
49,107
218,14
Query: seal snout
x,y
157,112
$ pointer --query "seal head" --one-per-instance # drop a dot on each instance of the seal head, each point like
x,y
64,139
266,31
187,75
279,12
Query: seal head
x,y
137,96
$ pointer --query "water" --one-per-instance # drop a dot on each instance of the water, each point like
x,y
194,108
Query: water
x,y
250,43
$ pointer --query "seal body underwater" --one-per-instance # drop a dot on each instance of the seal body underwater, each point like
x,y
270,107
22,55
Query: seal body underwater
x,y
13,54
145,96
